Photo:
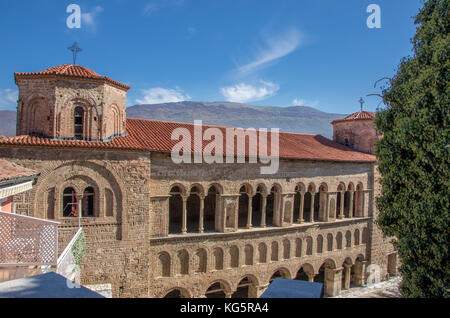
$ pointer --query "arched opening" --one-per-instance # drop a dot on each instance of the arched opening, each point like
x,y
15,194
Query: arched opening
x,y
317,207
218,258
164,265
193,211
339,200
305,273
70,203
183,263
262,250
365,235
319,244
274,252
307,207
297,203
78,123
176,293
309,245
278,274
329,242
87,203
245,289
348,239
216,290
248,252
175,210
234,256
209,214
356,237
272,205
200,261
257,207
348,202
325,271
298,247
286,249
339,241
244,198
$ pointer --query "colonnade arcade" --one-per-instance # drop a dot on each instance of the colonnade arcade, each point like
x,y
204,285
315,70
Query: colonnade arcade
x,y
196,209
334,277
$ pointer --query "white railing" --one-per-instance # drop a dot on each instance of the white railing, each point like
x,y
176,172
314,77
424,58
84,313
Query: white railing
x,y
27,241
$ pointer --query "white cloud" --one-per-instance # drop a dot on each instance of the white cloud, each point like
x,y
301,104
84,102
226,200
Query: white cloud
x,y
242,92
303,102
89,19
275,48
155,5
8,98
159,95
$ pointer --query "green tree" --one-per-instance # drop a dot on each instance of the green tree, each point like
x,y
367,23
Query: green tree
x,y
413,157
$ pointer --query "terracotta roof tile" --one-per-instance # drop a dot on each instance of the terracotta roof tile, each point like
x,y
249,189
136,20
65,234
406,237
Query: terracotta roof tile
x,y
362,115
10,171
69,70
156,135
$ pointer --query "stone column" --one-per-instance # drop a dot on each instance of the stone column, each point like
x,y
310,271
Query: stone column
x,y
332,281
311,214
360,269
249,212
79,208
350,207
341,212
348,272
310,277
202,210
263,210
302,203
184,216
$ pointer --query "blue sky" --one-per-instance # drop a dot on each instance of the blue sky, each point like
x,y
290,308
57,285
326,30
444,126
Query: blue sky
x,y
317,53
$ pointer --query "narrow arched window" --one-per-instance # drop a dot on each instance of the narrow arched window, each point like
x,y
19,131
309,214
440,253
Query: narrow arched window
x,y
69,203
88,202
78,123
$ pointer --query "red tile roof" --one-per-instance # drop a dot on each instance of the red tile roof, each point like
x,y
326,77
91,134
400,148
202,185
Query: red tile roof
x,y
11,171
155,135
362,115
69,70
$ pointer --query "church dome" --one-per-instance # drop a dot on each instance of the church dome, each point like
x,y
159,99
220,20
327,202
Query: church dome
x,y
361,115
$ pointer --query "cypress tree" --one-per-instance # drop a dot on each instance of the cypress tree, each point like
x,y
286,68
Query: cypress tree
x,y
413,157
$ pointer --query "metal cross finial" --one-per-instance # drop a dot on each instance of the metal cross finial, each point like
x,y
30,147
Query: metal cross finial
x,y
75,50
361,101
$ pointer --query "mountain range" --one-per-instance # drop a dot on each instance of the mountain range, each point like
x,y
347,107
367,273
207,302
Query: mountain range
x,y
299,119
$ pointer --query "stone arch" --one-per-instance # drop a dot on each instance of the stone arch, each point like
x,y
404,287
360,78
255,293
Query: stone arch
x,y
298,247
248,253
340,199
61,173
359,200
257,205
164,264
365,235
309,245
305,272
211,208
175,209
37,116
339,241
177,292
274,251
319,244
273,205
356,237
281,272
91,128
262,253
245,192
182,267
234,256
201,261
348,239
286,249
299,194
329,242
218,258
193,208
218,289
246,287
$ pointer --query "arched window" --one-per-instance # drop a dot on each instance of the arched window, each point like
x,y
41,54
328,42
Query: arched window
x,y
88,203
70,203
78,123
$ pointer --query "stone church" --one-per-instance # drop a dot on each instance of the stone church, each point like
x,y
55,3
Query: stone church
x,y
155,228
